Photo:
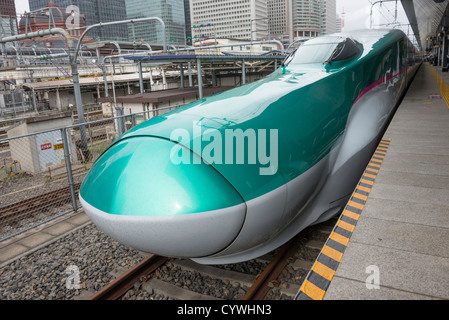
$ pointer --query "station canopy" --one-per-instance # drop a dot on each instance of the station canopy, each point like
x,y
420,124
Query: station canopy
x,y
426,17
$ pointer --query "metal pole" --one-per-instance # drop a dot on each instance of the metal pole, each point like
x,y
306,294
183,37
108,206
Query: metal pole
x,y
106,89
181,70
103,66
68,164
200,80
13,96
133,120
190,75
79,104
438,54
281,46
214,77
243,72
75,76
371,12
142,89
445,53
119,110
36,109
99,25
38,34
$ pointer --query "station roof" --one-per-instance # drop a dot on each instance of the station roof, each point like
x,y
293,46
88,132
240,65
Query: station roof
x,y
425,17
86,81
165,95
123,45
211,58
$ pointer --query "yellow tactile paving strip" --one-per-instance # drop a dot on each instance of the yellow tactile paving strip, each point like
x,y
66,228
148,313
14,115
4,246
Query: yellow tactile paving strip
x,y
441,83
324,268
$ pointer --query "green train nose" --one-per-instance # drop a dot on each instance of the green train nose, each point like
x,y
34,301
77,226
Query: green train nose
x,y
137,177
141,198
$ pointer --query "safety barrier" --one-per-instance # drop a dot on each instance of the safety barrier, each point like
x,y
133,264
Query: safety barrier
x,y
9,170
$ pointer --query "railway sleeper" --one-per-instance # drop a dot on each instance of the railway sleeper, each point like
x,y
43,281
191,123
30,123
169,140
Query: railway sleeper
x,y
160,287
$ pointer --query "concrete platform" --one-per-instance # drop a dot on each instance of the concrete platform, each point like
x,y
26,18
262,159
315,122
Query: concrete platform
x,y
41,236
400,241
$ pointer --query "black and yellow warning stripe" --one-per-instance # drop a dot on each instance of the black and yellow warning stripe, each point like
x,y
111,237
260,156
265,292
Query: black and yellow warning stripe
x,y
443,86
324,268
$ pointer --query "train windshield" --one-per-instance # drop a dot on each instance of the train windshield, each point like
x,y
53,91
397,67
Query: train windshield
x,y
324,50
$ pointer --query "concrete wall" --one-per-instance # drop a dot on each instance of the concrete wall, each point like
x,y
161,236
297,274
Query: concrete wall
x,y
37,152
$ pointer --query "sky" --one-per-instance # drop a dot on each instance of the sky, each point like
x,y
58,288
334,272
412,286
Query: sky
x,y
357,10
357,13
22,6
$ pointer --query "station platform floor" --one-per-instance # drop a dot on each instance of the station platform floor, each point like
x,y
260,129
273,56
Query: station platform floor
x,y
398,248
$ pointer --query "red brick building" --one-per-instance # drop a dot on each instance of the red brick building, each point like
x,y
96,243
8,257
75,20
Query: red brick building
x,y
8,8
55,17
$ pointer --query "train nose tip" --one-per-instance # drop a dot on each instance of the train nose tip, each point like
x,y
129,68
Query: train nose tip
x,y
140,197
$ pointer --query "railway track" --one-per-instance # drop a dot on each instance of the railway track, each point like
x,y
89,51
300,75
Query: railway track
x,y
37,204
277,275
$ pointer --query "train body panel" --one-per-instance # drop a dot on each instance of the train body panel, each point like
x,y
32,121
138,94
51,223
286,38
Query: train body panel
x,y
307,132
185,237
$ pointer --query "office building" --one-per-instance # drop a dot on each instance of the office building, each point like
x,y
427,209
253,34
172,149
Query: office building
x,y
339,24
312,18
328,16
170,11
306,18
95,11
7,8
236,19
8,18
58,18
280,16
8,25
188,22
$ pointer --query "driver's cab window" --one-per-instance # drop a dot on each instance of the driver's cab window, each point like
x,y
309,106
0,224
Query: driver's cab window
x,y
346,49
324,50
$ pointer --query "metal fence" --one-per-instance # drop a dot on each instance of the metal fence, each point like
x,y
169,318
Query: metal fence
x,y
14,102
41,173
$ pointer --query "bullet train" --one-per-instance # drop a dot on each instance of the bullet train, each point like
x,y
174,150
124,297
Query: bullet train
x,y
233,176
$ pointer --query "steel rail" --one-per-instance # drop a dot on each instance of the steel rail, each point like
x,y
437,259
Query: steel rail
x,y
125,282
261,286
